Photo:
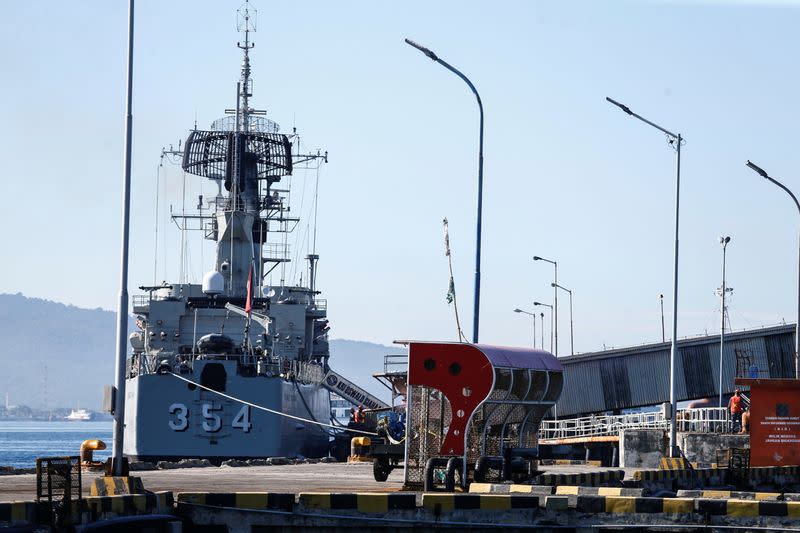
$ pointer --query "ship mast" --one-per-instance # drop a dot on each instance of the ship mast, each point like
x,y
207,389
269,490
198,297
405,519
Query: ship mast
x,y
246,23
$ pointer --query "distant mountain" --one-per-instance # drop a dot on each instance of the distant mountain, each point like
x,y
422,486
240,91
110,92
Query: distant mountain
x,y
77,347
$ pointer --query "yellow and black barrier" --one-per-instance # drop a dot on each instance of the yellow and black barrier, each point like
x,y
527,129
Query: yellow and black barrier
x,y
747,508
362,502
568,462
15,512
116,486
506,488
437,502
240,500
572,490
593,479
729,495
719,474
131,504
674,463
632,504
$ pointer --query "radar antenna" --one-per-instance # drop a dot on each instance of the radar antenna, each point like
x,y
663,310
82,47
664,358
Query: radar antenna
x,y
246,23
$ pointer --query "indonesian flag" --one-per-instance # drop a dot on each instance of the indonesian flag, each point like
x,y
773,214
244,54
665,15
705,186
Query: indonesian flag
x,y
248,306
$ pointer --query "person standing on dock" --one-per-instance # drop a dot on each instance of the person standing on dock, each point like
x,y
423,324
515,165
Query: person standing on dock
x,y
735,408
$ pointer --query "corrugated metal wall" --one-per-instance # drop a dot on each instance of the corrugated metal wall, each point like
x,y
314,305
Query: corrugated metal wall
x,y
637,377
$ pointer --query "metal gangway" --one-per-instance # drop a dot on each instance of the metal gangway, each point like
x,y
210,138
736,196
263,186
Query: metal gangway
x,y
599,428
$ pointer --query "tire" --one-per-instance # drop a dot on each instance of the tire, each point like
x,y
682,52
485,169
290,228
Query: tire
x,y
381,470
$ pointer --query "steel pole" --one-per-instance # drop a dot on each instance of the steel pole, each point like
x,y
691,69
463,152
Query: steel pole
x,y
663,335
571,332
555,302
534,331
122,304
674,345
722,322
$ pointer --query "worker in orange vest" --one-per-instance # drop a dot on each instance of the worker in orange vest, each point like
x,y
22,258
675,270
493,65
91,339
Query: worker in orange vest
x,y
735,408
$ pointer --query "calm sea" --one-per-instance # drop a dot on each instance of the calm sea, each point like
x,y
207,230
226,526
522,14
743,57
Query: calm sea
x,y
21,442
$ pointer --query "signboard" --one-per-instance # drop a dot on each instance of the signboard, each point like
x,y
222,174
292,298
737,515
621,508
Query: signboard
x,y
351,392
774,422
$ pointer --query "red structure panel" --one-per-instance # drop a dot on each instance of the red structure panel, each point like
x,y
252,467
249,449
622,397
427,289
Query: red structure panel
x,y
462,373
774,421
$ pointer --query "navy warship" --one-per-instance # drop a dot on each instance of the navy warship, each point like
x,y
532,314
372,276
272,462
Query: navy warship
x,y
233,367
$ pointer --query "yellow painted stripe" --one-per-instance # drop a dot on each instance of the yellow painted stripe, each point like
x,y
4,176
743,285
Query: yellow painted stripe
x,y
446,502
564,490
793,509
18,512
372,503
524,489
316,500
192,497
497,502
620,504
609,491
767,495
487,487
717,494
678,505
251,500
742,508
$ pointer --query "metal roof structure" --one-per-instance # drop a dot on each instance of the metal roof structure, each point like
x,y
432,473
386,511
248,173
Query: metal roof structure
x,y
638,376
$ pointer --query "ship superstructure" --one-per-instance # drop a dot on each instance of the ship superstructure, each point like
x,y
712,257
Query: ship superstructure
x,y
233,333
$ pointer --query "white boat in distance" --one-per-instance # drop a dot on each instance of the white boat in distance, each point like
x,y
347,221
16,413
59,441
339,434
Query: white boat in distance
x,y
79,415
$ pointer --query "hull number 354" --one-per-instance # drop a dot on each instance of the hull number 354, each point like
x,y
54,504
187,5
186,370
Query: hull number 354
x,y
212,418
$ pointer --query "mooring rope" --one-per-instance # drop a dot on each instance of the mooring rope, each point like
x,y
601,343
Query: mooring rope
x,y
267,409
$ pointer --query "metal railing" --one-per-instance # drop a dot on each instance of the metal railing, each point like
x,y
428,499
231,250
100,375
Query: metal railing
x,y
393,363
704,420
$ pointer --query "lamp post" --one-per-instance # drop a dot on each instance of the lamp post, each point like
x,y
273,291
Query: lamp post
x,y
571,332
541,316
555,294
663,334
122,304
763,174
724,242
534,322
675,139
551,323
477,302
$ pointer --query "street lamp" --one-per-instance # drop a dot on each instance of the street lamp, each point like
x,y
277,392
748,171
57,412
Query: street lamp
x,y
763,174
675,140
571,332
477,303
555,294
551,323
724,242
534,323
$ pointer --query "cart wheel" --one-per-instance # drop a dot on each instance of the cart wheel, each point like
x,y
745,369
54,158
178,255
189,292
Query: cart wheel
x,y
381,469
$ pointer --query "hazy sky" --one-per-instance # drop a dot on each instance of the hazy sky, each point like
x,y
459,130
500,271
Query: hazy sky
x,y
567,176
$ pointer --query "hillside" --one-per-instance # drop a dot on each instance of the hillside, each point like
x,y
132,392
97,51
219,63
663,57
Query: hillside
x,y
77,347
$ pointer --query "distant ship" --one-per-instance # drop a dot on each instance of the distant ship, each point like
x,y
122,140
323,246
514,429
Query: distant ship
x,y
79,415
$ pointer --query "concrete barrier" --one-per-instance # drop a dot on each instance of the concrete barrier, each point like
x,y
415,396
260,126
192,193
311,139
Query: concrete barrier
x,y
566,490
367,502
569,462
124,505
593,479
633,505
747,508
729,494
240,500
507,488
18,512
116,486
438,502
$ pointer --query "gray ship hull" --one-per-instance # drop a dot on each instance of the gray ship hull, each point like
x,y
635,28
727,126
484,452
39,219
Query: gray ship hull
x,y
169,419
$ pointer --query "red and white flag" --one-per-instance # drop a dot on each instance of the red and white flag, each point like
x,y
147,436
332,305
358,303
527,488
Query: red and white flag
x,y
248,306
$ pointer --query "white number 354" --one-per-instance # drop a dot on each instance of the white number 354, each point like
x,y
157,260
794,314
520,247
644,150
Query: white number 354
x,y
212,421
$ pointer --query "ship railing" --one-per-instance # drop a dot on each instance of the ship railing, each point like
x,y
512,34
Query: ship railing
x,y
703,420
394,363
140,300
320,304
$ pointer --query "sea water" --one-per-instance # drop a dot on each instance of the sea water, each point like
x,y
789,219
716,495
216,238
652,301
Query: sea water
x,y
22,441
